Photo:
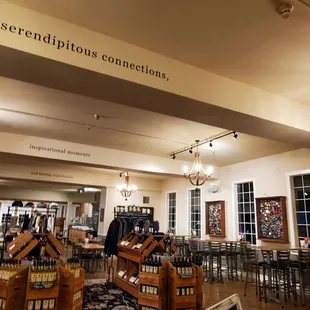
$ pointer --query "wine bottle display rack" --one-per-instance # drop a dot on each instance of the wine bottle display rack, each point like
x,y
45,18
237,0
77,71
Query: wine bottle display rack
x,y
181,291
71,287
42,295
13,284
23,244
156,284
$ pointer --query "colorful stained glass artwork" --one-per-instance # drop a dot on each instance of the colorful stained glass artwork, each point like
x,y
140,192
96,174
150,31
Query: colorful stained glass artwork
x,y
271,219
215,217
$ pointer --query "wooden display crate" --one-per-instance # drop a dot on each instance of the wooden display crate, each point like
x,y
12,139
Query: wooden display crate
x,y
57,246
161,243
69,285
24,241
131,267
132,259
14,290
199,282
174,282
158,280
43,293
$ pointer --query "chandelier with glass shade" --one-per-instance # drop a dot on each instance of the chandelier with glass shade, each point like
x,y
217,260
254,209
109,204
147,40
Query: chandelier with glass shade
x,y
126,189
197,175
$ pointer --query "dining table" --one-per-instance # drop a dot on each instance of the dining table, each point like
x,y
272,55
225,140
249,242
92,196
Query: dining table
x,y
93,248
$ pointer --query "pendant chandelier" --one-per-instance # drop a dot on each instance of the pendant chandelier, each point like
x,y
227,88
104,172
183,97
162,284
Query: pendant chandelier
x,y
197,175
126,189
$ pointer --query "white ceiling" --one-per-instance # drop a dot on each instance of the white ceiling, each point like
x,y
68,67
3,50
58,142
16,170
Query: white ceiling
x,y
41,186
37,111
244,40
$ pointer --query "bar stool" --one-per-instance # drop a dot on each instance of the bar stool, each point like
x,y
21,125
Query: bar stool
x,y
283,273
252,266
231,260
268,271
179,244
300,271
215,257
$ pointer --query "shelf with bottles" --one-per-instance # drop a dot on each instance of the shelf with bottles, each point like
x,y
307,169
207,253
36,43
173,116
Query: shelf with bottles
x,y
71,287
128,271
138,244
134,211
152,291
43,285
13,283
181,284
22,245
127,275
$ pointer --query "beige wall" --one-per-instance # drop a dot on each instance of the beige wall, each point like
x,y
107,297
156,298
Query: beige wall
x,y
269,174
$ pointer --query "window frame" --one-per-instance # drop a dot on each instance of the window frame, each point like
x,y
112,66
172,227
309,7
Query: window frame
x,y
251,212
190,212
168,210
296,210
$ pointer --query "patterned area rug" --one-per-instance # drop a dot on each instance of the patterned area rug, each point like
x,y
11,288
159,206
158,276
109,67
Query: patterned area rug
x,y
104,295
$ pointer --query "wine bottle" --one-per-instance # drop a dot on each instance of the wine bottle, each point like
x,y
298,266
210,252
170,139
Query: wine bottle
x,y
147,267
29,305
37,305
45,304
155,266
151,265
51,304
192,292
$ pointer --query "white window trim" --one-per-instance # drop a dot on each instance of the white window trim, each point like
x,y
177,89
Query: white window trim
x,y
189,211
291,207
167,210
235,205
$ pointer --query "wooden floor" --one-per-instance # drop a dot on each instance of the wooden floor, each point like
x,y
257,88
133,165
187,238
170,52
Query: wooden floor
x,y
218,291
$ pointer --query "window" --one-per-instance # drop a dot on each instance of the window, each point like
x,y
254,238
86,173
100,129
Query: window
x,y
246,211
302,202
172,202
195,212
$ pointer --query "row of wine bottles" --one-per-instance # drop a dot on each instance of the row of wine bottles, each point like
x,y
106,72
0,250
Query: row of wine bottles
x,y
183,266
9,268
43,273
151,265
138,243
185,291
134,279
73,265
121,209
77,296
41,304
148,289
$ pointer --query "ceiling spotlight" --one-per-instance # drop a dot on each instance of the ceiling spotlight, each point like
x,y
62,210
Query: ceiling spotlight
x,y
191,151
235,135
88,127
96,117
210,144
173,156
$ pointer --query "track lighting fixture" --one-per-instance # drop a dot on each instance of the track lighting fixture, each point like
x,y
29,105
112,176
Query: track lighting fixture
x,y
205,141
